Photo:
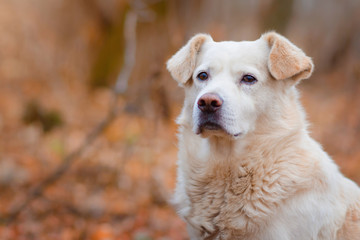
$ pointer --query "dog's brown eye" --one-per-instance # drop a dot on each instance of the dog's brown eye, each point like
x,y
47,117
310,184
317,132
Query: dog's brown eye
x,y
202,76
248,79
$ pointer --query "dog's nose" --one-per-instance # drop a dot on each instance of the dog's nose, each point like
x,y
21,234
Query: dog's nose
x,y
209,102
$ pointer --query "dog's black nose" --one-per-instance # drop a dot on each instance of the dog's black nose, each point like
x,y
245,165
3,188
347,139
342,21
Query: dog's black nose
x,y
209,102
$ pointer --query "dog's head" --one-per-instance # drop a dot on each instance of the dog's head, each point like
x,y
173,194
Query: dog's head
x,y
228,85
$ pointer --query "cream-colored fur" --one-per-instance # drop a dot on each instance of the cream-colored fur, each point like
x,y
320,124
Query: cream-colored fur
x,y
261,176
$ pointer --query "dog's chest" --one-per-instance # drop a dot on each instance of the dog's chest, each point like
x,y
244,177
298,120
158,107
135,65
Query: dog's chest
x,y
219,203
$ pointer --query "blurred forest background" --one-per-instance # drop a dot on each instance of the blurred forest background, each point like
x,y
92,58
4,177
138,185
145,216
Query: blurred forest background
x,y
59,61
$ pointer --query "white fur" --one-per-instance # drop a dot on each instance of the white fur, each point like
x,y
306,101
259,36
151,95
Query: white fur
x,y
261,176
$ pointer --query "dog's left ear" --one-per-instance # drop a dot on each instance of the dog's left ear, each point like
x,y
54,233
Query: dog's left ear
x,y
287,61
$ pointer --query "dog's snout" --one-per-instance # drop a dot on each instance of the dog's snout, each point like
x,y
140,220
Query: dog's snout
x,y
209,102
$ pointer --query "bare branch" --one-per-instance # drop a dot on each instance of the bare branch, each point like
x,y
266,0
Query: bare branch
x,y
130,50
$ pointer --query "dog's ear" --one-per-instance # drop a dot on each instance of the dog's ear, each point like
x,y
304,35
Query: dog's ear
x,y
182,64
287,61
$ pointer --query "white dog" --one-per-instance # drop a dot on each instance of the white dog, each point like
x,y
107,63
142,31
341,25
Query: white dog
x,y
248,168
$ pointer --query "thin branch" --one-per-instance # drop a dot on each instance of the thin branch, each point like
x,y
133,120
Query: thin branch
x,y
82,213
129,56
119,88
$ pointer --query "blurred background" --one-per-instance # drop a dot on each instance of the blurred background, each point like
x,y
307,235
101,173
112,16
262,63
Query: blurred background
x,y
59,61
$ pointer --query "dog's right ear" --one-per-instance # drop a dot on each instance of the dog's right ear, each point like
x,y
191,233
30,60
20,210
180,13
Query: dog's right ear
x,y
182,64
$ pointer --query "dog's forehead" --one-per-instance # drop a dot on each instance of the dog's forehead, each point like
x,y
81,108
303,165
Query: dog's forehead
x,y
244,52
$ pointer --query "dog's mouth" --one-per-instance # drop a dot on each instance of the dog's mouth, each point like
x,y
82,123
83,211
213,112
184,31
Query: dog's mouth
x,y
209,126
214,128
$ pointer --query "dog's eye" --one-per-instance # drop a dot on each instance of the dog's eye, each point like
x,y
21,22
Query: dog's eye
x,y
248,79
202,76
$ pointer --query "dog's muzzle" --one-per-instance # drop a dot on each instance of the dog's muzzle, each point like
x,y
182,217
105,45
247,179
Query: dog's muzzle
x,y
209,118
